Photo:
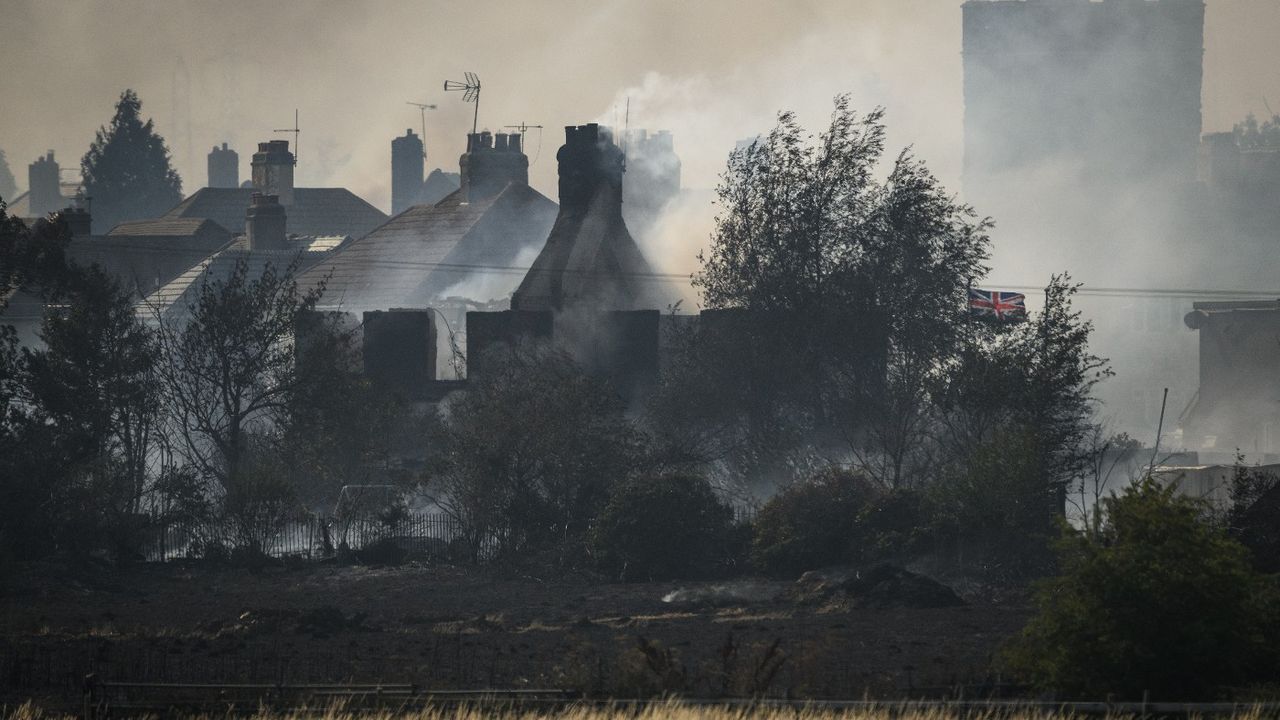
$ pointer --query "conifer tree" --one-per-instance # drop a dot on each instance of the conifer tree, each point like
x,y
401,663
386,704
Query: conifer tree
x,y
126,171
8,186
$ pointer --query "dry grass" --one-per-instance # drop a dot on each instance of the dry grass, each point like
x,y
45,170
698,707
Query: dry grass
x,y
656,711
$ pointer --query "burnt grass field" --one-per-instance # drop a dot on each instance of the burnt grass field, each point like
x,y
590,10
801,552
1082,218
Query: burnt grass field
x,y
452,627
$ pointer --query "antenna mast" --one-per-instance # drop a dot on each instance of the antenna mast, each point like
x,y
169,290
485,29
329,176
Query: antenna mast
x,y
524,129
423,107
471,93
295,130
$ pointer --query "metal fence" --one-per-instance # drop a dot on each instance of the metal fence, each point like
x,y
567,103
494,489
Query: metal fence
x,y
431,536
435,536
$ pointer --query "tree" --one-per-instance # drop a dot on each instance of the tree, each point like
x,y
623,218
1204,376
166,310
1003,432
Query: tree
x,y
1160,601
856,285
127,171
93,386
8,186
813,524
1013,424
230,368
339,428
79,410
528,453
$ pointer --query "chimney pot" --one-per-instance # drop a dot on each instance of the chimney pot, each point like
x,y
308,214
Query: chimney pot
x,y
265,223
272,168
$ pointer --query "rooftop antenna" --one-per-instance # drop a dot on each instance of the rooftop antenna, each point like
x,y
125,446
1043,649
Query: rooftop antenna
x,y
423,108
295,130
524,129
626,125
471,93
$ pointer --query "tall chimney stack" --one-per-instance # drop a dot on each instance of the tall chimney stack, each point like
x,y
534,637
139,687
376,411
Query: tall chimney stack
x,y
45,186
588,160
224,167
265,223
407,167
273,170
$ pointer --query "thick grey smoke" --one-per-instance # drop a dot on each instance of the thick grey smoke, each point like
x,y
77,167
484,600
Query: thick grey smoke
x,y
710,72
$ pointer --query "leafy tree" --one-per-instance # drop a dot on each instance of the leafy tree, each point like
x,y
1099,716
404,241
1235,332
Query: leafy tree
x,y
1161,601
127,171
661,528
8,186
529,452
1012,424
857,286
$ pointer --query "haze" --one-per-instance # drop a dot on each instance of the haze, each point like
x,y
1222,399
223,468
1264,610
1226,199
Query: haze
x,y
711,72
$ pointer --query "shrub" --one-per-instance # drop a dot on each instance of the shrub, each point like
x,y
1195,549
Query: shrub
x,y
812,524
662,528
384,551
1159,600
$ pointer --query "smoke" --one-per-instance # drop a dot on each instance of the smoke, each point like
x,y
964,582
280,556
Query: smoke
x,y
712,73
485,287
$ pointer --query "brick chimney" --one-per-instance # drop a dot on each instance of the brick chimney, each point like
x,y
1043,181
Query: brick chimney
x,y
488,167
273,170
265,223
588,161
78,220
224,167
407,165
590,259
45,188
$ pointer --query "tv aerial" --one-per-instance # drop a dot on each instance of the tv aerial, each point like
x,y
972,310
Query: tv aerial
x,y
524,129
295,130
470,89
423,108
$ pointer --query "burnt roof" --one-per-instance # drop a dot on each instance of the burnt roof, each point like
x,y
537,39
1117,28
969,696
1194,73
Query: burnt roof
x,y
425,250
315,211
590,259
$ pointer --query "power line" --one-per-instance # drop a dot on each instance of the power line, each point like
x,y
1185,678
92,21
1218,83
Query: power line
x,y
493,269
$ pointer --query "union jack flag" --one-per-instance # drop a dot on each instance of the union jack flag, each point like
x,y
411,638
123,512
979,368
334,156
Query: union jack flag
x,y
997,305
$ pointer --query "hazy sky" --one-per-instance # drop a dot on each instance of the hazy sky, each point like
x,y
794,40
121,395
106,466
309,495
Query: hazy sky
x,y
711,71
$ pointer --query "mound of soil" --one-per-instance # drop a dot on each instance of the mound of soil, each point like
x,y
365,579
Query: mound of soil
x,y
880,586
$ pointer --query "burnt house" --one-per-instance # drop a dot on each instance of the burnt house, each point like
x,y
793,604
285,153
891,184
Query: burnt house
x,y
1237,405
590,292
589,261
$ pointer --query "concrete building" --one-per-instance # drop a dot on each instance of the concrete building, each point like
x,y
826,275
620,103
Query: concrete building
x,y
1110,89
653,178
